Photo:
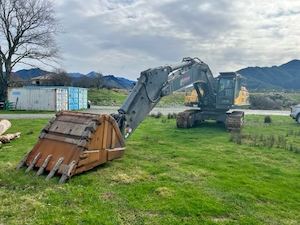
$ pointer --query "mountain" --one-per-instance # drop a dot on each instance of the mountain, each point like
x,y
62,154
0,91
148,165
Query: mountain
x,y
285,76
117,82
110,81
75,75
30,73
91,74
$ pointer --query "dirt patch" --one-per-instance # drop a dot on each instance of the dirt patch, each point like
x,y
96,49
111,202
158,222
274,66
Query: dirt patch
x,y
220,219
124,178
107,196
164,192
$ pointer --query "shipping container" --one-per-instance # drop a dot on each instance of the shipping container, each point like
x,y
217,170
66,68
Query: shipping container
x,y
61,99
73,98
83,98
48,98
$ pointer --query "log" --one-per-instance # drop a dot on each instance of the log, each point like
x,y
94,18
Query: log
x,y
8,137
4,126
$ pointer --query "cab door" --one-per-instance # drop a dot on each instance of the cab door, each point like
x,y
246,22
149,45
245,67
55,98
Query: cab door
x,y
226,92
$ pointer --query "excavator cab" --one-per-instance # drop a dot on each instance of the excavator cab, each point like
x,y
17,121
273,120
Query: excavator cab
x,y
230,92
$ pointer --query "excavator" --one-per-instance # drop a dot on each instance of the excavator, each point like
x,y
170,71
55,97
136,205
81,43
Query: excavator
x,y
74,142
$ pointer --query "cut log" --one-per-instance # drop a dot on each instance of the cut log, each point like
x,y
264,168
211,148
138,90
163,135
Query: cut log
x,y
4,126
8,137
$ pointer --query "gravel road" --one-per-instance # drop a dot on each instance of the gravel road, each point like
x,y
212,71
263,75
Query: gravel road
x,y
113,109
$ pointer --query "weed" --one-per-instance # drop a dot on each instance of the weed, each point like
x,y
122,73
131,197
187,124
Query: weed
x,y
267,119
29,132
156,115
236,137
172,116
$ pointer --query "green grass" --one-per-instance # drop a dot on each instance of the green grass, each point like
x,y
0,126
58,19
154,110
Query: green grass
x,y
295,97
175,99
106,97
167,176
115,97
25,112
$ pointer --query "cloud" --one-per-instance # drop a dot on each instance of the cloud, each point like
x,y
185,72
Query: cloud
x,y
125,37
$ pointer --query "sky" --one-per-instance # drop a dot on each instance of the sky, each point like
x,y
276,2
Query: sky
x,y
125,37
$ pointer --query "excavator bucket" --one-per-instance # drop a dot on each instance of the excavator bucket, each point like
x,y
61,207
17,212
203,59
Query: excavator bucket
x,y
75,142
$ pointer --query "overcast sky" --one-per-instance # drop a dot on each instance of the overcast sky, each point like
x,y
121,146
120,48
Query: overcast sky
x,y
124,37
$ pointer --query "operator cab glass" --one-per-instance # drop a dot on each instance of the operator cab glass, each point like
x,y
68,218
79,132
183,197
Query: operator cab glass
x,y
226,89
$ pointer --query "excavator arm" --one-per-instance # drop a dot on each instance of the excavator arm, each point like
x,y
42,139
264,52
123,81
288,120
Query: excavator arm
x,y
153,84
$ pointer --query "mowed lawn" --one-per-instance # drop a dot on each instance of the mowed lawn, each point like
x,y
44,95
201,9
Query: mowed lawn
x,y
168,176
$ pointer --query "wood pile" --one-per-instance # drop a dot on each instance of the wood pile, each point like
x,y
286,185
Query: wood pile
x,y
6,138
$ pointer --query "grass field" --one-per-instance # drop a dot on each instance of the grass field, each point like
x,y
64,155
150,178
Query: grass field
x,y
25,112
105,97
168,176
266,100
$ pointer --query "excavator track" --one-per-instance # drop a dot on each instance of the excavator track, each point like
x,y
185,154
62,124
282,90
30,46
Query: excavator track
x,y
187,119
190,118
234,121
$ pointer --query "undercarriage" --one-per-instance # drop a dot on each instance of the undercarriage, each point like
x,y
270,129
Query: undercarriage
x,y
190,118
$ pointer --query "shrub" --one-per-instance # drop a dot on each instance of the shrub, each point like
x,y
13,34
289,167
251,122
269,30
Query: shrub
x,y
267,119
263,102
157,115
236,137
163,121
172,115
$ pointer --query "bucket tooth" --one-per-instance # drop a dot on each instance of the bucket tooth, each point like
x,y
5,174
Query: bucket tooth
x,y
87,134
22,162
92,126
55,168
67,172
33,162
44,165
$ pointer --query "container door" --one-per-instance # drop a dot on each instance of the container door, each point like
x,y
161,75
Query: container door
x,y
61,99
82,98
73,98
43,99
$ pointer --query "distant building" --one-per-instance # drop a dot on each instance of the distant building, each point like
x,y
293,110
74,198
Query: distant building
x,y
52,79
44,80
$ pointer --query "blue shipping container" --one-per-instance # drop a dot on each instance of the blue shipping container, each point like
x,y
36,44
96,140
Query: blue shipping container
x,y
73,98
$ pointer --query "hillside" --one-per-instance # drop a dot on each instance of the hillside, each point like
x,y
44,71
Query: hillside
x,y
117,82
105,97
115,97
30,73
285,76
109,81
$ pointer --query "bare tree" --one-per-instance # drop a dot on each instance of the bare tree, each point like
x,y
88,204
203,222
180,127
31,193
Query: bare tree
x,y
27,29
98,80
60,77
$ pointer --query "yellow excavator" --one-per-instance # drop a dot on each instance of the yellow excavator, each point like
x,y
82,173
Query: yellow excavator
x,y
191,99
74,142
